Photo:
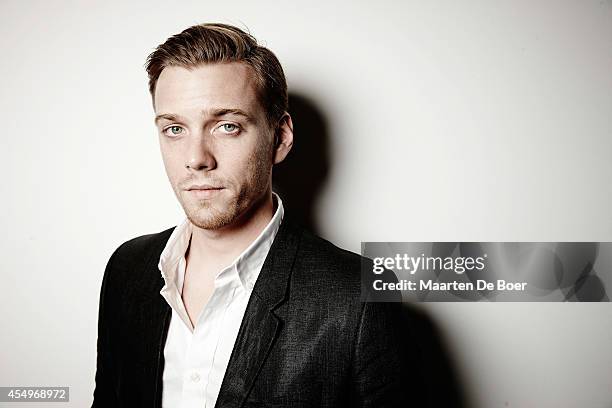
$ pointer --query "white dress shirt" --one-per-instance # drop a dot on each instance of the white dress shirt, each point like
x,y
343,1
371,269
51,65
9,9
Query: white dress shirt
x,y
196,357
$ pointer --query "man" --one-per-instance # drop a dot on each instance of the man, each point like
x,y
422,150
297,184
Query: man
x,y
237,306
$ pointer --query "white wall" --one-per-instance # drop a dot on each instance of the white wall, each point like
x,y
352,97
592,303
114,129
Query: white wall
x,y
468,121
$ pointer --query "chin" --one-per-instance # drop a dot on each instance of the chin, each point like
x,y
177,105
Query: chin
x,y
209,218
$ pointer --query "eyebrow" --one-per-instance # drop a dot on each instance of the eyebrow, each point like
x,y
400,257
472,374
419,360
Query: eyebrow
x,y
167,116
215,113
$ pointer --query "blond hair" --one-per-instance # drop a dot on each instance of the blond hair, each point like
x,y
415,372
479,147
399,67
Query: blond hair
x,y
220,43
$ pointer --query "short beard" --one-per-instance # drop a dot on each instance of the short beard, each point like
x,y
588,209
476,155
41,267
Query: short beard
x,y
260,168
213,220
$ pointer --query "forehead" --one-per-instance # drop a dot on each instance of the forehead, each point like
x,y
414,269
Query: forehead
x,y
219,85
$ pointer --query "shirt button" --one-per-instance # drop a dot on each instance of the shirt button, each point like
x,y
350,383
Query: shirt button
x,y
195,377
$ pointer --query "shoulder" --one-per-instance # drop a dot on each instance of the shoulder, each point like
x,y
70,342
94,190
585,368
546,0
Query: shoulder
x,y
323,266
320,254
141,246
135,256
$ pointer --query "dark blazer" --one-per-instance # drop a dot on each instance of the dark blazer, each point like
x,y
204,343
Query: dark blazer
x,y
306,339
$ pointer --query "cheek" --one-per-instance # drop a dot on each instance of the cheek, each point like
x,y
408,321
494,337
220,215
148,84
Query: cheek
x,y
259,165
234,161
172,164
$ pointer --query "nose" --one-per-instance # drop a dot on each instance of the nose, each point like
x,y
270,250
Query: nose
x,y
200,154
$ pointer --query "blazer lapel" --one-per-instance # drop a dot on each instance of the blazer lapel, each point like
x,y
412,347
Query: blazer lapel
x,y
260,325
156,312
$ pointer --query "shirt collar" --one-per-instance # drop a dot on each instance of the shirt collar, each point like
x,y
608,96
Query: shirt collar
x,y
246,266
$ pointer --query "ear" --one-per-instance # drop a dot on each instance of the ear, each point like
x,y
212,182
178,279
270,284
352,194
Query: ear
x,y
283,138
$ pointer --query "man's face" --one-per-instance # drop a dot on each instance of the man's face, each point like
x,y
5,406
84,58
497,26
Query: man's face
x,y
215,141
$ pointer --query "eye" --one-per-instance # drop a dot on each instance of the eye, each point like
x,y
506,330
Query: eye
x,y
173,130
229,128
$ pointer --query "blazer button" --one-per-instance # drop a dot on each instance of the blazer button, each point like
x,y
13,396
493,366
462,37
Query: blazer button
x,y
195,377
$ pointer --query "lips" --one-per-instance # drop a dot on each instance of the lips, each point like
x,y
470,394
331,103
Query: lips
x,y
203,187
203,191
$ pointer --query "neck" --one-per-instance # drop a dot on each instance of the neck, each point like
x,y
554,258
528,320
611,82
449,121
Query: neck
x,y
225,244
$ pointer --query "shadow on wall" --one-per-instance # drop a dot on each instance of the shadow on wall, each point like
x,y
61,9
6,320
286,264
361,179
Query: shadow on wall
x,y
435,370
298,180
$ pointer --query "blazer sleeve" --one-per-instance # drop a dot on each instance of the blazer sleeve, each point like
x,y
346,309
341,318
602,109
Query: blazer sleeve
x,y
386,367
104,393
